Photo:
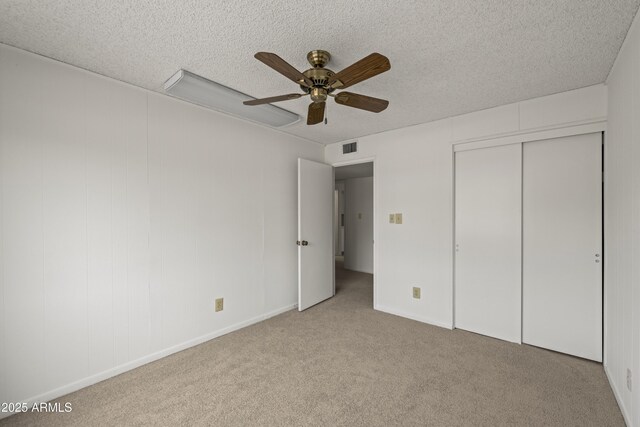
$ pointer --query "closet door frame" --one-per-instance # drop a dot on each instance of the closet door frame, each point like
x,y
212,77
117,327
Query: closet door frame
x,y
520,138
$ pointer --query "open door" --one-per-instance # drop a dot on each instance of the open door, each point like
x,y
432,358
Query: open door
x,y
316,278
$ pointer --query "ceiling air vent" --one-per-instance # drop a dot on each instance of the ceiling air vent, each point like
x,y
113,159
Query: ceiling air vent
x,y
351,147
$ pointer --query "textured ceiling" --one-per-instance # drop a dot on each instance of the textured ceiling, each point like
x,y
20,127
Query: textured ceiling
x,y
447,57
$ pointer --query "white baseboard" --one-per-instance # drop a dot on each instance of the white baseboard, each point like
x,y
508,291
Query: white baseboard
x,y
277,311
117,370
616,393
411,316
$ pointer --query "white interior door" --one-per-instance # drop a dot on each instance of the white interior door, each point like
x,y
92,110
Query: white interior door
x,y
488,235
316,275
562,245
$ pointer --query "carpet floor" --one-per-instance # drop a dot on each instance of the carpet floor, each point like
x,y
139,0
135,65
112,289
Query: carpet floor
x,y
341,363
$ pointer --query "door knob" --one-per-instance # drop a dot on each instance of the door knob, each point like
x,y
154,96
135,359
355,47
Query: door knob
x,y
305,243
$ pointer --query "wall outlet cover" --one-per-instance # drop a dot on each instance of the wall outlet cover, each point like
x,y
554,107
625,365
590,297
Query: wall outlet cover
x,y
219,304
398,218
416,292
392,218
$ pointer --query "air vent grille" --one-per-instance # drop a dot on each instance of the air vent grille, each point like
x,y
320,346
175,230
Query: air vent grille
x,y
351,147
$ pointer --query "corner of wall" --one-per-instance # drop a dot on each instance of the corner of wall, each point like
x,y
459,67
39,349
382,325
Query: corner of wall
x,y
622,202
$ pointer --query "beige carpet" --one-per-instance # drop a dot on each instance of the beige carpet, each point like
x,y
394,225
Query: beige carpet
x,y
342,363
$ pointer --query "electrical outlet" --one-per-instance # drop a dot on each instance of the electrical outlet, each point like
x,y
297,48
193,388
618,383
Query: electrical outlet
x,y
219,304
392,218
416,292
398,218
629,379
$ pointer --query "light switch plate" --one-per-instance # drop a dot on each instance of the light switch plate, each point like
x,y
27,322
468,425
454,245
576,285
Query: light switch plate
x,y
398,218
392,218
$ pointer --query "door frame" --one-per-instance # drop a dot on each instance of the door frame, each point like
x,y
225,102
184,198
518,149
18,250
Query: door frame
x,y
596,126
375,222
521,137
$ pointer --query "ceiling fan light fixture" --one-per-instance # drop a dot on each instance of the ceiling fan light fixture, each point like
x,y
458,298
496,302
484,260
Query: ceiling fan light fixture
x,y
206,93
318,94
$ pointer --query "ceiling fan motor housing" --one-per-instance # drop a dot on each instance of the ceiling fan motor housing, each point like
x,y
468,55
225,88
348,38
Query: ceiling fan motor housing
x,y
318,75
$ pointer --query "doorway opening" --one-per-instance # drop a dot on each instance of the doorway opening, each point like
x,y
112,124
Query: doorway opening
x,y
353,221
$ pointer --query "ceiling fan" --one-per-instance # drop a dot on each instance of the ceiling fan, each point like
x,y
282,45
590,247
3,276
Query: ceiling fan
x,y
320,82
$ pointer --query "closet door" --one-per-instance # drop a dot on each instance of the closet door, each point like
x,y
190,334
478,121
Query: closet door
x,y
488,241
562,245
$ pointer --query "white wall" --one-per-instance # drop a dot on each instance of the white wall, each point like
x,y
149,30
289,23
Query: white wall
x,y
622,226
124,214
414,170
358,214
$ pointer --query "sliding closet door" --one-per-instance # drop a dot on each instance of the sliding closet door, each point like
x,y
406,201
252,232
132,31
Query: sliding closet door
x,y
562,245
488,241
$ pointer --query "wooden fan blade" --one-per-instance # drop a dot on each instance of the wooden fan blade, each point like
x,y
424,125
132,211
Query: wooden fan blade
x,y
361,101
316,113
366,68
283,67
273,99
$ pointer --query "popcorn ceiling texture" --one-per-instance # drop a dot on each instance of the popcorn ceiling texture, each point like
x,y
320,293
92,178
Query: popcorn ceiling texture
x,y
448,57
